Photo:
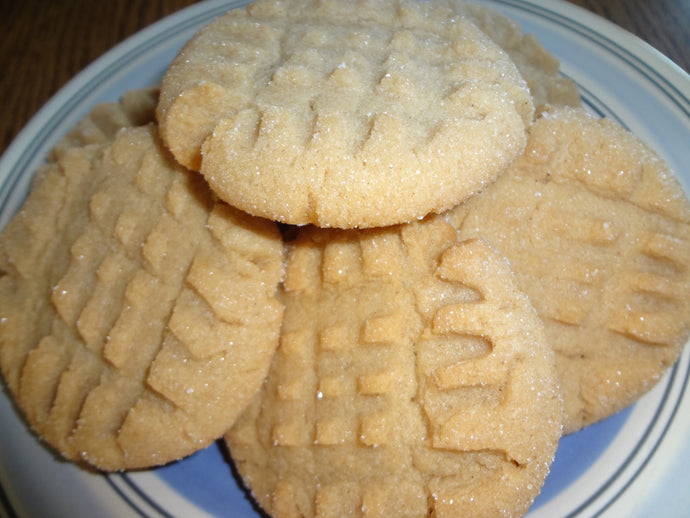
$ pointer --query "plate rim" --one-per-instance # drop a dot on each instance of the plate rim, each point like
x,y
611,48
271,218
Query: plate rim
x,y
656,65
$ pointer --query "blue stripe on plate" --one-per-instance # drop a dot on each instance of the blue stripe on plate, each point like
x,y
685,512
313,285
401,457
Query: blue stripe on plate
x,y
596,105
650,434
6,507
47,132
119,480
661,434
124,496
679,98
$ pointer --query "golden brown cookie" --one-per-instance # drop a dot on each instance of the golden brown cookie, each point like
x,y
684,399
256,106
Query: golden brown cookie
x,y
101,124
137,312
344,114
597,230
538,66
412,379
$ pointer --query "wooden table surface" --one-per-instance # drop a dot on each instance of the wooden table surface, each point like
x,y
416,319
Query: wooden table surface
x,y
45,43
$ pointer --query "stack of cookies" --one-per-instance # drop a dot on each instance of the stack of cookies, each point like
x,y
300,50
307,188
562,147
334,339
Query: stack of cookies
x,y
378,248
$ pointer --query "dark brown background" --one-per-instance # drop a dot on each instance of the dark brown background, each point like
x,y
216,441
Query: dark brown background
x,y
44,43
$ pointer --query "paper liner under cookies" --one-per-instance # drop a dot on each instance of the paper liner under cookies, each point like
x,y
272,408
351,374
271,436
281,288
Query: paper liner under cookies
x,y
597,230
412,379
138,311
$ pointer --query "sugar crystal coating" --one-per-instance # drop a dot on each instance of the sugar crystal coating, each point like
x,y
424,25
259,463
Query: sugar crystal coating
x,y
412,379
537,65
597,230
344,115
138,311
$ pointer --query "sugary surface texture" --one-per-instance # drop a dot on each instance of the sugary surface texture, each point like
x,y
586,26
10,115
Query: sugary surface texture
x,y
101,124
344,114
412,379
537,65
137,313
597,230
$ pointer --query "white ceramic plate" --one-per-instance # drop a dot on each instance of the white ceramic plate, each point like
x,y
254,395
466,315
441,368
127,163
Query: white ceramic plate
x,y
632,464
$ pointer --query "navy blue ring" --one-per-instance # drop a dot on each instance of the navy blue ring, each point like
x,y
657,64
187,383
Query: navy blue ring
x,y
679,99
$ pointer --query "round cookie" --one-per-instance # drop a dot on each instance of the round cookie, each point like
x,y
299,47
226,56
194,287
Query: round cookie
x,y
597,231
537,65
344,114
138,313
412,379
101,124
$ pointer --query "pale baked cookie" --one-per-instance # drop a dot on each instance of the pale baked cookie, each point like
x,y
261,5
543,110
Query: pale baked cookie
x,y
538,66
597,230
412,379
344,114
137,313
100,125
